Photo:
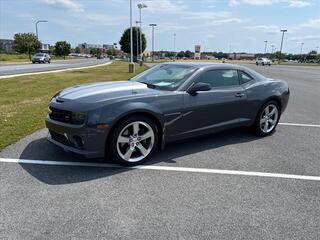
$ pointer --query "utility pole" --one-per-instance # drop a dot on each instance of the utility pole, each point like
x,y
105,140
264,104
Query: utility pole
x,y
283,31
152,25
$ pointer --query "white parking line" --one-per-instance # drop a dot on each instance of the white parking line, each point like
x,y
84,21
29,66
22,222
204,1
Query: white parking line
x,y
164,168
53,71
300,125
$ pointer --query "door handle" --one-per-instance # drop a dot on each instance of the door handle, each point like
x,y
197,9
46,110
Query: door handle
x,y
240,95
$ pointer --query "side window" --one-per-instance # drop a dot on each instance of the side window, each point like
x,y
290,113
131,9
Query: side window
x,y
244,78
220,78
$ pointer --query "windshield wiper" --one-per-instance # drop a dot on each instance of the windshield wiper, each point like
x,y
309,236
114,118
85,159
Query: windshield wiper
x,y
149,85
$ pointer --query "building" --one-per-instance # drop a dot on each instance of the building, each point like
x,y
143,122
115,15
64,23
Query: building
x,y
45,48
6,45
108,46
241,56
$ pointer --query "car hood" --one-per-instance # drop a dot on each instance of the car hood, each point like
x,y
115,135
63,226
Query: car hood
x,y
102,91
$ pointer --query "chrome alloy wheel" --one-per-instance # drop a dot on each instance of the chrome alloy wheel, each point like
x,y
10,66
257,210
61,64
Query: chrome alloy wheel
x,y
135,141
269,118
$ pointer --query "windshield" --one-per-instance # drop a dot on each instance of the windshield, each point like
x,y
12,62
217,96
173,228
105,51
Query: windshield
x,y
39,55
165,76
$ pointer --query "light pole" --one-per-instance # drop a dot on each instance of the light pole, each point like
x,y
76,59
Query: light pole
x,y
152,25
39,21
272,48
301,51
174,44
140,6
283,31
131,64
137,23
265,46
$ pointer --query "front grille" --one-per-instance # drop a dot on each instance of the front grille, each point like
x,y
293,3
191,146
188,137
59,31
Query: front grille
x,y
59,138
63,116
60,115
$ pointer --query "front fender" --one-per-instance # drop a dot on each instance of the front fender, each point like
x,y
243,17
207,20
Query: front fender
x,y
112,114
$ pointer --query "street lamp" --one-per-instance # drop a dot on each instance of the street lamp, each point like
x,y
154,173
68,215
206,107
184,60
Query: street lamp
x,y
265,47
137,23
174,44
283,31
131,64
39,21
301,49
272,48
152,25
140,6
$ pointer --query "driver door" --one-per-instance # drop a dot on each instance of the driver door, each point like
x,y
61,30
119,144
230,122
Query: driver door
x,y
215,109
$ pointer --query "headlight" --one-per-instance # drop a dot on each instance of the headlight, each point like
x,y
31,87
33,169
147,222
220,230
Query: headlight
x,y
94,117
78,118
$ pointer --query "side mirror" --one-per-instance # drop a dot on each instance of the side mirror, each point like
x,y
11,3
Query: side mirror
x,y
199,87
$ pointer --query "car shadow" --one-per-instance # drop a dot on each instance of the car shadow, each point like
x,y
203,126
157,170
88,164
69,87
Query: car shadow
x,y
41,149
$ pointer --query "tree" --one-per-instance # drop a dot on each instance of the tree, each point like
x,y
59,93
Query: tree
x,y
77,50
62,48
125,41
188,54
180,54
111,52
26,43
95,51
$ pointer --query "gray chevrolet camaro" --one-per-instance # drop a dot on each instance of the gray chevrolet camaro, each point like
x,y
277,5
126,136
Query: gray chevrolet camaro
x,y
128,120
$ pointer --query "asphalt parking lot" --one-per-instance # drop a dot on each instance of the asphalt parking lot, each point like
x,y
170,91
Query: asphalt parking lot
x,y
9,69
184,194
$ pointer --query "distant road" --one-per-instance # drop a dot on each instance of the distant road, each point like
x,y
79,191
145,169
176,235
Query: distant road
x,y
9,69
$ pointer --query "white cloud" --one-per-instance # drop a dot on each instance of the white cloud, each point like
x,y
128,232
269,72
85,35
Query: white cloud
x,y
298,3
224,21
305,38
67,4
102,19
312,23
290,3
265,28
166,6
211,36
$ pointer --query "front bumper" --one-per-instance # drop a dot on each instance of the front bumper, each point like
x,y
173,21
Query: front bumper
x,y
82,140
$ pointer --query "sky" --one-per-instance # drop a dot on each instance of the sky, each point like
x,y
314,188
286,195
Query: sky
x,y
216,25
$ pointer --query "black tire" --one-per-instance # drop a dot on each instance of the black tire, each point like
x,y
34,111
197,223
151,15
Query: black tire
x,y
33,62
257,127
111,145
257,63
262,64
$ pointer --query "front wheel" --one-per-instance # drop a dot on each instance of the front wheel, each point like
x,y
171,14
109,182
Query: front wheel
x,y
133,141
267,118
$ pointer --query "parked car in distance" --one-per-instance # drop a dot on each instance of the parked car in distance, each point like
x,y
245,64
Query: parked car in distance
x,y
263,61
41,58
128,120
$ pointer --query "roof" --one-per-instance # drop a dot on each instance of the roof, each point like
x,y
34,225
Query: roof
x,y
203,64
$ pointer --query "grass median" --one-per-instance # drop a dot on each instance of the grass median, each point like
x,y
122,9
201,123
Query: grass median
x,y
24,100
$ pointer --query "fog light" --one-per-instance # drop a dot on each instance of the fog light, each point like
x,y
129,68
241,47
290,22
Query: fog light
x,y
78,142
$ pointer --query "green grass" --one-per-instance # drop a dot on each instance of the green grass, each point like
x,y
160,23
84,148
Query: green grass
x,y
24,100
12,58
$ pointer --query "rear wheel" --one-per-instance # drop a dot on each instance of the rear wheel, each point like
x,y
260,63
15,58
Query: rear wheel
x,y
133,141
267,119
